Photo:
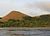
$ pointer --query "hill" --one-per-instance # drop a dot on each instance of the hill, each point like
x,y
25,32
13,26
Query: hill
x,y
14,15
17,19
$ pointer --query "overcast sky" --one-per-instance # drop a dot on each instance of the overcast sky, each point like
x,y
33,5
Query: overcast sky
x,y
29,7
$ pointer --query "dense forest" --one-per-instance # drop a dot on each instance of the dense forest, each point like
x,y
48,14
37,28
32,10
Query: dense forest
x,y
41,21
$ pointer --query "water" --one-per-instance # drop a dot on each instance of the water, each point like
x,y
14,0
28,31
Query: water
x,y
34,32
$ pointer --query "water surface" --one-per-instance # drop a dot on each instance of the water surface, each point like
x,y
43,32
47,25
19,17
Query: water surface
x,y
34,32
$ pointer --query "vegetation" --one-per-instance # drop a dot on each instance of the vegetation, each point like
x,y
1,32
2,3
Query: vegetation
x,y
42,21
0,18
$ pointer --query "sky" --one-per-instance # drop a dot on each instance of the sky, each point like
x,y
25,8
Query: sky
x,y
28,7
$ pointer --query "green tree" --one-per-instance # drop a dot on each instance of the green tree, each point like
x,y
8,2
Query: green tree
x,y
9,23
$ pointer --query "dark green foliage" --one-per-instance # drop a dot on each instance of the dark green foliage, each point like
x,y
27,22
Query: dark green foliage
x,y
9,23
0,18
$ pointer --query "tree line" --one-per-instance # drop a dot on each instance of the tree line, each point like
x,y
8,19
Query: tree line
x,y
42,21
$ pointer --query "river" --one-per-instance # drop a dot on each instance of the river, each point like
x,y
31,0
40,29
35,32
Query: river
x,y
24,32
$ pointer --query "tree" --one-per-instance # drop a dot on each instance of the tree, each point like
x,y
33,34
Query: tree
x,y
9,23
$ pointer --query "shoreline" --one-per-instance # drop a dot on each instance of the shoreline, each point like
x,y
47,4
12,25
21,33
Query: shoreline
x,y
24,28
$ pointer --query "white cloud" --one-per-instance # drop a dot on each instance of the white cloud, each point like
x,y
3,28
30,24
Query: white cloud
x,y
29,7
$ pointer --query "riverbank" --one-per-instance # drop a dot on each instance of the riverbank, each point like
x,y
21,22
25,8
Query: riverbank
x,y
25,28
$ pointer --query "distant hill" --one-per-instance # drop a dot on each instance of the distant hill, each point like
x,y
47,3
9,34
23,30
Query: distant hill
x,y
14,15
18,15
46,15
18,19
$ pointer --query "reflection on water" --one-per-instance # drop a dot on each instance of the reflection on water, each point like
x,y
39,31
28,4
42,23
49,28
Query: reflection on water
x,y
35,32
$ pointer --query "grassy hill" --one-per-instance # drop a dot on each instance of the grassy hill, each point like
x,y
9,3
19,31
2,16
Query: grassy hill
x,y
14,15
26,21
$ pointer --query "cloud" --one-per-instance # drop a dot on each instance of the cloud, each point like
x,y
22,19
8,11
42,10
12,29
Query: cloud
x,y
43,6
29,7
37,9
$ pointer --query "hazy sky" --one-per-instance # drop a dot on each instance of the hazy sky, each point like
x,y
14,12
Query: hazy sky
x,y
29,7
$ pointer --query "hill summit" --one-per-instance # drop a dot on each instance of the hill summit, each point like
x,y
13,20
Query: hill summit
x,y
14,15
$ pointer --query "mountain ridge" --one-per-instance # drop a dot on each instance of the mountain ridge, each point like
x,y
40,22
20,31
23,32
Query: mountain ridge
x,y
17,19
14,15
18,15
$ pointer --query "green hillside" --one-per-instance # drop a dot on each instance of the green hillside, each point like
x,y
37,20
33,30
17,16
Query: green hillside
x,y
40,21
